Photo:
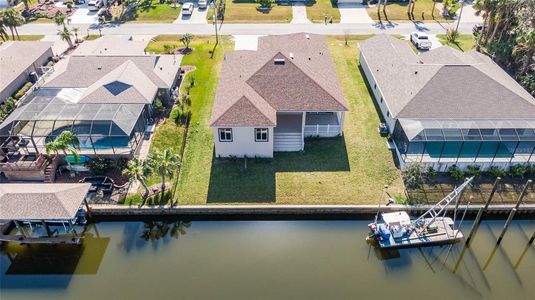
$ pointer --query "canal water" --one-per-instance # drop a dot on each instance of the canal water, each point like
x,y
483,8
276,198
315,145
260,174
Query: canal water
x,y
266,260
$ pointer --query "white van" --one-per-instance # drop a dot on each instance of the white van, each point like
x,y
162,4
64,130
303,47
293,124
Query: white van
x,y
95,5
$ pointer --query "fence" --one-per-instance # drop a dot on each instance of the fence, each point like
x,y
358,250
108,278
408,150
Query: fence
x,y
322,130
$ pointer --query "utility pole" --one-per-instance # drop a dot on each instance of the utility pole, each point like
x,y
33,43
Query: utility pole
x,y
460,14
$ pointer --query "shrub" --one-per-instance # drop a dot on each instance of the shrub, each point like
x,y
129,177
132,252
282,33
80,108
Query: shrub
x,y
23,90
431,173
456,173
120,163
180,115
401,199
496,172
452,35
265,3
517,171
99,165
473,171
412,175
133,199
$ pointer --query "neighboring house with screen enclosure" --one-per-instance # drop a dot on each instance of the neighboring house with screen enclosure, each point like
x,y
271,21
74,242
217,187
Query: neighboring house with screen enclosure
x,y
22,62
106,101
272,98
446,107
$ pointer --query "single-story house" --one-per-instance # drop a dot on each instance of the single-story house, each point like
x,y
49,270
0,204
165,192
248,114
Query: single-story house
x,y
18,60
106,101
272,98
112,45
446,107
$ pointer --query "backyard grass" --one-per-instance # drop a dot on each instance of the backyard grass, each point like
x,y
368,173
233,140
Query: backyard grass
x,y
196,165
346,170
397,11
317,9
244,11
152,11
465,42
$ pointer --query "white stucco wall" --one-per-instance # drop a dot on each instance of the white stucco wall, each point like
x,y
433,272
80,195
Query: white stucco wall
x,y
376,90
243,143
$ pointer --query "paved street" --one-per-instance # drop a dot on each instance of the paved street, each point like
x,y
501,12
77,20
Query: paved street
x,y
251,29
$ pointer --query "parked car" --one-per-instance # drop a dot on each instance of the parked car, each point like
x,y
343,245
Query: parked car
x,y
477,28
187,9
95,5
421,40
203,3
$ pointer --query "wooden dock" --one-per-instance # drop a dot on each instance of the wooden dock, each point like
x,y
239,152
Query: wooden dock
x,y
40,240
445,234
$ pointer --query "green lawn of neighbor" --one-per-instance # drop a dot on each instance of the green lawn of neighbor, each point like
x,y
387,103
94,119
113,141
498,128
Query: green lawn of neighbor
x,y
317,9
397,11
346,170
465,42
25,37
152,11
244,11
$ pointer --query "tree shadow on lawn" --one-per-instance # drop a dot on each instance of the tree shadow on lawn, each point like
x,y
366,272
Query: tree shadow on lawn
x,y
232,182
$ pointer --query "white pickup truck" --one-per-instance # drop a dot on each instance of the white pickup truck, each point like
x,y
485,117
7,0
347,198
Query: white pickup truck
x,y
421,40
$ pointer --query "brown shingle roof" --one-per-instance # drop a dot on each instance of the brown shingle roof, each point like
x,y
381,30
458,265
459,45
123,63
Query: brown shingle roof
x,y
307,81
43,201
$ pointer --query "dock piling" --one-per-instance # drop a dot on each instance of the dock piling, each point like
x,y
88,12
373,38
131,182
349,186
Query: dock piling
x,y
482,210
513,211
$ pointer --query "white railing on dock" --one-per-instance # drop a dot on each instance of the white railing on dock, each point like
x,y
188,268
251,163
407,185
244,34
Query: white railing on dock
x,y
322,130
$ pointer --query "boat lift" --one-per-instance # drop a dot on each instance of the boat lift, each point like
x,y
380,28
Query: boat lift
x,y
397,230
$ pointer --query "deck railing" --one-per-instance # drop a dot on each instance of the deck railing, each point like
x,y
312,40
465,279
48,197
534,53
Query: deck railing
x,y
319,130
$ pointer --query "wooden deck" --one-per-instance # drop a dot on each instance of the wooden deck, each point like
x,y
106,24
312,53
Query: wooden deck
x,y
444,235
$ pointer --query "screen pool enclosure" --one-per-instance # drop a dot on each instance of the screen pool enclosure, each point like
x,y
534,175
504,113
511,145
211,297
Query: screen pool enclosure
x,y
101,128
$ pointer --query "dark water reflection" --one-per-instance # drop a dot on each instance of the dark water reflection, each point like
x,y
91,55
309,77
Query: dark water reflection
x,y
266,260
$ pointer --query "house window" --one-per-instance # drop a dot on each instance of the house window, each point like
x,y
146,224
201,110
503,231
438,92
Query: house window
x,y
225,134
381,99
388,114
375,86
261,134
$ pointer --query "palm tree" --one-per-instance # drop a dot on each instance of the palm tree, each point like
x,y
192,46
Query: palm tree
x,y
139,170
65,34
59,19
66,142
3,33
164,163
12,19
186,39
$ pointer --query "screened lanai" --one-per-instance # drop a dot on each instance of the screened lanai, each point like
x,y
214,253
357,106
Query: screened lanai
x,y
466,141
101,128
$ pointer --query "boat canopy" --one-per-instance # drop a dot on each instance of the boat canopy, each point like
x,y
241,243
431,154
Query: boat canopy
x,y
396,218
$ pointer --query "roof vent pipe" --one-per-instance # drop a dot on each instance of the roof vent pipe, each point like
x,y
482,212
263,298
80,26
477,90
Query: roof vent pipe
x,y
307,36
291,55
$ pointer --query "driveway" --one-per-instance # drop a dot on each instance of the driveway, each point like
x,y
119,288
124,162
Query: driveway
x,y
82,15
197,17
353,13
299,13
435,42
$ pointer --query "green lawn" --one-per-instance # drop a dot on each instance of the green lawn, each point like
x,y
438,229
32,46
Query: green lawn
x,y
152,11
244,11
397,11
317,9
465,42
345,170
26,37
